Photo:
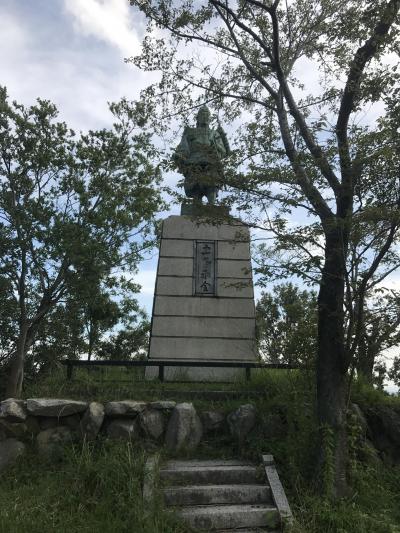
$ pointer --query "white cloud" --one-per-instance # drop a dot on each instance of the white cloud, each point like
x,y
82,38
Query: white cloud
x,y
74,57
108,20
147,280
12,34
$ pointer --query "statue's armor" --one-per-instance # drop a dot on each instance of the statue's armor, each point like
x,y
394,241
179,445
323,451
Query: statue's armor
x,y
198,157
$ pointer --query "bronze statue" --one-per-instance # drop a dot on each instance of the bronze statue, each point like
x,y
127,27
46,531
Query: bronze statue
x,y
199,158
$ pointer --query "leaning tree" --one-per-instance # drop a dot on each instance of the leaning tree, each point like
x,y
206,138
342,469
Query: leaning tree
x,y
74,214
296,75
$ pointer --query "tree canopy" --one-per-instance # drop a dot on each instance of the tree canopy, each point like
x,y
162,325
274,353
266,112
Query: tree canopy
x,y
76,213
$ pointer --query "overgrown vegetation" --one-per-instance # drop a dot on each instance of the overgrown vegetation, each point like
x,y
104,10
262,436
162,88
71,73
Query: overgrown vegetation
x,y
76,215
98,488
93,488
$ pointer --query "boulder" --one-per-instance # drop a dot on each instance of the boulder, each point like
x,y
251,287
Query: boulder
x,y
92,421
152,422
242,421
10,450
32,425
13,410
55,408
125,408
274,425
184,430
51,441
122,428
49,422
14,430
163,405
384,431
212,421
72,422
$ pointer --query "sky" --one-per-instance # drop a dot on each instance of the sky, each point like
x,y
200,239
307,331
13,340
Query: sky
x,y
72,53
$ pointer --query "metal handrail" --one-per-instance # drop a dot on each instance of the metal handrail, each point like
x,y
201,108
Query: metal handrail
x,y
71,363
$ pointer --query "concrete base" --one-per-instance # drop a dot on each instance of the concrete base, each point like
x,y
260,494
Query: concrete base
x,y
187,325
198,374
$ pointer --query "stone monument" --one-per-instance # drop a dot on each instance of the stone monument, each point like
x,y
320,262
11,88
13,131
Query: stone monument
x,y
204,303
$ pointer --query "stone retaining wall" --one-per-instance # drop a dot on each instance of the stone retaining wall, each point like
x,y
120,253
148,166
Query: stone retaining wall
x,y
49,423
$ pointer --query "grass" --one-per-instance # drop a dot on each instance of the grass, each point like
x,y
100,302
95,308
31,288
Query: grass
x,y
98,488
107,384
92,489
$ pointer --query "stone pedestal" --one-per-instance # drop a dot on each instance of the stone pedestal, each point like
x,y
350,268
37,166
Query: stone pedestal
x,y
204,302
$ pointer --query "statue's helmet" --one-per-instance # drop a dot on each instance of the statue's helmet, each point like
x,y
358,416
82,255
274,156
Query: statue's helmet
x,y
203,116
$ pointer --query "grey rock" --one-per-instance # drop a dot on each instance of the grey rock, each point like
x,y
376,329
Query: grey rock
x,y
32,425
184,430
92,420
242,421
54,407
51,441
166,404
123,429
384,431
152,422
14,430
274,425
13,410
212,421
48,422
125,408
10,450
72,422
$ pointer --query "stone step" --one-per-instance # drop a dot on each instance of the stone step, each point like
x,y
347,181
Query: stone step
x,y
251,530
212,475
210,517
213,494
200,463
247,530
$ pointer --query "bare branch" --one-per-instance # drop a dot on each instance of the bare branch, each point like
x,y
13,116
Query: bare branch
x,y
351,90
311,192
316,151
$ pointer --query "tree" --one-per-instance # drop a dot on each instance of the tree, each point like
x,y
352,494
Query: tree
x,y
128,343
307,144
75,213
394,373
287,325
380,332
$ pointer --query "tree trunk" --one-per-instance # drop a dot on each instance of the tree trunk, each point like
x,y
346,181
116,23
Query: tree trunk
x,y
367,355
91,339
16,376
332,370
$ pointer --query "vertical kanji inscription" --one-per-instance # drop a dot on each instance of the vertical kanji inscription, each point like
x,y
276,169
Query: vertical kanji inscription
x,y
204,268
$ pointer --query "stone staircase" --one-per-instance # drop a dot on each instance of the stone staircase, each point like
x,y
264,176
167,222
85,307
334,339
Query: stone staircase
x,y
226,495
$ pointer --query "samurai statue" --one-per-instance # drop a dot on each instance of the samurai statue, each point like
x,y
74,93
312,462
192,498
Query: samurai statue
x,y
199,158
